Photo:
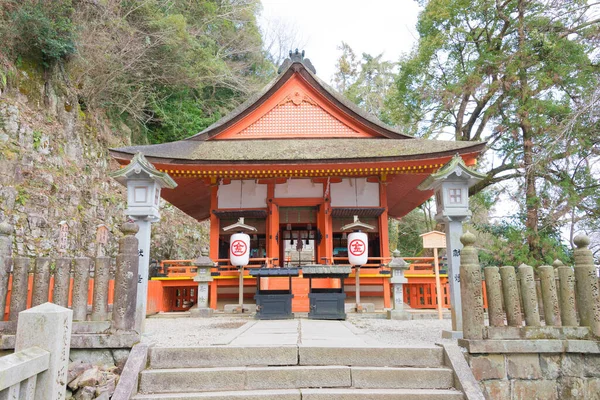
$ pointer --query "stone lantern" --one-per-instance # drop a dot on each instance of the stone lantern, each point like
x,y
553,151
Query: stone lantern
x,y
397,267
143,183
451,187
203,266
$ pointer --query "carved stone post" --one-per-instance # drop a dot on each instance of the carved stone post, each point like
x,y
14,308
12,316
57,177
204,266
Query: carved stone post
x,y
81,282
511,296
41,281
126,279
549,295
5,263
18,296
529,295
62,280
494,296
203,277
397,279
566,277
101,279
470,289
588,293
47,326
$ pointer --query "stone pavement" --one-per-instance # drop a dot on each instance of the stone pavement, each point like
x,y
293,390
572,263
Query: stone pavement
x,y
298,331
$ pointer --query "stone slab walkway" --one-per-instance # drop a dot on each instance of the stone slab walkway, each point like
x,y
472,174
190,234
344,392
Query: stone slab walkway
x,y
296,332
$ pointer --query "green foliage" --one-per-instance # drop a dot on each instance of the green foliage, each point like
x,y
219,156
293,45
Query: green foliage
x,y
509,246
40,29
22,197
37,139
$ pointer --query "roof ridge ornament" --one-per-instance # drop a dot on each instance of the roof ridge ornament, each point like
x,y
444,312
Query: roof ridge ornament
x,y
296,57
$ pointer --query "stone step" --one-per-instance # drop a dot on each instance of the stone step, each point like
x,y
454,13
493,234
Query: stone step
x,y
312,394
222,356
401,378
294,377
381,394
372,356
235,356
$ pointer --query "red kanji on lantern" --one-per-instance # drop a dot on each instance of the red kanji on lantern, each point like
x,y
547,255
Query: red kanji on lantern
x,y
357,247
238,248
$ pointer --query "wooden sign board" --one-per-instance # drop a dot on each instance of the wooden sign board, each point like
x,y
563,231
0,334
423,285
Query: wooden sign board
x,y
102,234
434,240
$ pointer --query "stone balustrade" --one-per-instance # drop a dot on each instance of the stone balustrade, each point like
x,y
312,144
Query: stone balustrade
x,y
565,297
76,283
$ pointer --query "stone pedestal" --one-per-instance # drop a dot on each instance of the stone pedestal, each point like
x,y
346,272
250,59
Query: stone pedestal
x,y
203,277
47,326
397,279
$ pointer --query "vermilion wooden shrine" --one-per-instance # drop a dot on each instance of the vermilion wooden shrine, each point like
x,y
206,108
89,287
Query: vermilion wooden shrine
x,y
298,161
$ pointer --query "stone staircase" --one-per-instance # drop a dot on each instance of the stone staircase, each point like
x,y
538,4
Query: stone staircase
x,y
297,372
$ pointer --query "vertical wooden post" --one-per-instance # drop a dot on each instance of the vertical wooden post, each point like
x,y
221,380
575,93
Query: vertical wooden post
x,y
384,241
438,286
214,223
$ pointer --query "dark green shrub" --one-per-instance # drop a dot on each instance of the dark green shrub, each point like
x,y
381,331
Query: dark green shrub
x,y
43,29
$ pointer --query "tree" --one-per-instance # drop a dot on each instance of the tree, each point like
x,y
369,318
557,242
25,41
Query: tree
x,y
366,82
510,72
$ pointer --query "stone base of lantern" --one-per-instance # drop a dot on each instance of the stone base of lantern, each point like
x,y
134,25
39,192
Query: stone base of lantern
x,y
452,334
235,309
363,308
204,312
398,315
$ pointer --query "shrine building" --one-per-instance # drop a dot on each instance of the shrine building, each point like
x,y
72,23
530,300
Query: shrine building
x,y
298,161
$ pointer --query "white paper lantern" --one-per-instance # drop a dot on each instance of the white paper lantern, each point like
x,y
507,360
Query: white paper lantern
x,y
239,249
358,248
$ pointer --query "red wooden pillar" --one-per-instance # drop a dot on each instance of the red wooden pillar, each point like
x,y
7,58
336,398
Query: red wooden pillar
x,y
272,225
384,242
214,224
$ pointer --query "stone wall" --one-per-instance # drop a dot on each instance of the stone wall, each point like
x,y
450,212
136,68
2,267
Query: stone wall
x,y
53,167
546,376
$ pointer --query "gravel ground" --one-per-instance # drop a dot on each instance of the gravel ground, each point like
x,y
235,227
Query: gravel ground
x,y
417,332
184,332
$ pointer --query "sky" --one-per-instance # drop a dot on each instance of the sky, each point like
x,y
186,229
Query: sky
x,y
374,27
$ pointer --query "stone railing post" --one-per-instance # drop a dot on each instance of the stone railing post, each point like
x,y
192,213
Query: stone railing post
x,y
470,289
397,279
41,281
5,263
512,304
101,279
203,277
493,288
81,282
47,326
126,280
588,293
549,295
62,280
529,295
18,296
566,278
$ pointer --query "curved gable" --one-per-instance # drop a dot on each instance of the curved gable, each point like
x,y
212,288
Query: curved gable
x,y
296,110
